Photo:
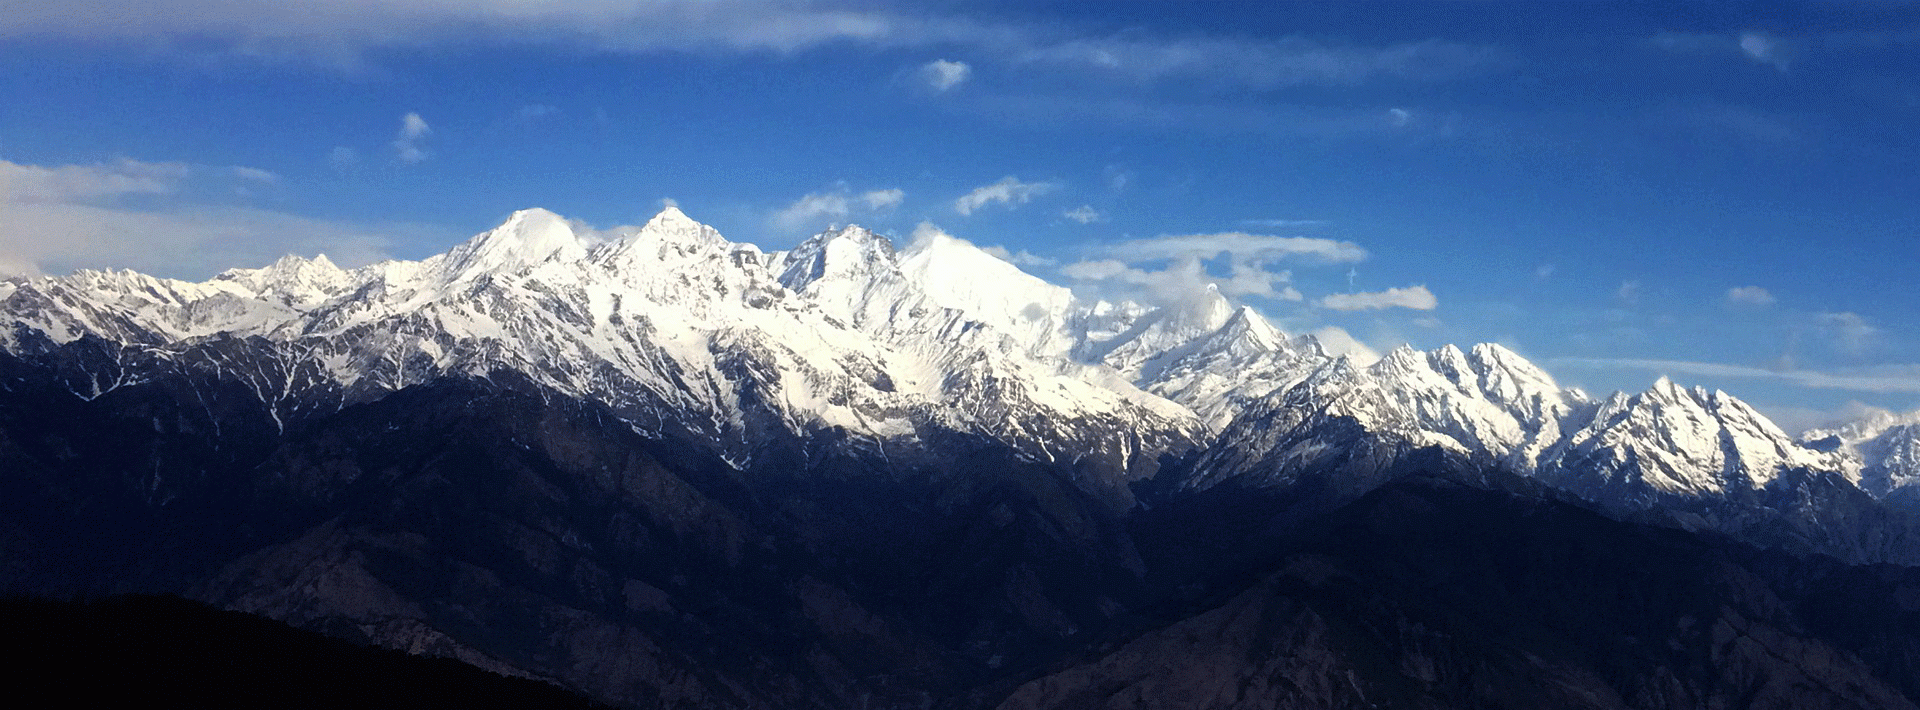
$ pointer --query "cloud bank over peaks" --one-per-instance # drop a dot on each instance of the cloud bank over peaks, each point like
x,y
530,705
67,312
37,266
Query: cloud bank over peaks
x,y
21,184
162,218
1178,269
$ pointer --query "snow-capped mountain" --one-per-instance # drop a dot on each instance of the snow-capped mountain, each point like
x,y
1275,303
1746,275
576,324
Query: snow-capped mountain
x,y
1882,447
671,325
1680,441
675,328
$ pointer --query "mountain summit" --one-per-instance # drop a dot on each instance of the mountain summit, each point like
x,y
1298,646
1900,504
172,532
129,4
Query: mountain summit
x,y
671,470
672,325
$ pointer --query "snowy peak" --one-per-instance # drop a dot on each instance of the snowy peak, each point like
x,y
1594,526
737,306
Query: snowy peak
x,y
1244,334
1220,374
673,229
1883,446
528,238
292,280
673,322
1686,442
953,273
846,253
1163,336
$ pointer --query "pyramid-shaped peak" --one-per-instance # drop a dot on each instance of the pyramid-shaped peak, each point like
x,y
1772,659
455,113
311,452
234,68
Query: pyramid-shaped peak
x,y
853,234
670,215
849,252
526,238
673,226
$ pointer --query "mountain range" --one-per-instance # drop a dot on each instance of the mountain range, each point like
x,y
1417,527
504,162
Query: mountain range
x,y
670,470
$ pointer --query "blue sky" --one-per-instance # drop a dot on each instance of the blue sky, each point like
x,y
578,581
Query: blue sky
x,y
1721,192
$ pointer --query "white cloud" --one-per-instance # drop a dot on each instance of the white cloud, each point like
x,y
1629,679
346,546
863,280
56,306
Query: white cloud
x,y
343,158
1743,122
1760,47
1181,281
1337,341
816,208
1628,293
36,184
1284,223
1414,297
943,75
883,199
534,112
76,216
1885,379
1179,270
1257,247
1849,330
1008,191
1084,214
1765,49
344,33
1749,296
413,133
1019,258
255,174
1102,270
1287,61
1543,272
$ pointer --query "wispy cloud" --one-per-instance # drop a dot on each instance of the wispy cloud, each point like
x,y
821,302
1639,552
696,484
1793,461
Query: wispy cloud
x,y
815,209
345,32
1749,296
343,158
943,75
1084,214
1181,283
1755,46
1283,223
410,146
1008,191
1850,331
1415,297
1628,292
1174,269
1288,61
1019,258
1884,379
534,112
64,217
1766,49
1743,122
1257,247
255,174
21,184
